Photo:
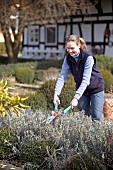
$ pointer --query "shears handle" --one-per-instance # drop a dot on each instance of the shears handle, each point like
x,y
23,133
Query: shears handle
x,y
66,110
56,106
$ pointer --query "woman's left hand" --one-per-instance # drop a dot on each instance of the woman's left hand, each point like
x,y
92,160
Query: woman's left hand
x,y
74,102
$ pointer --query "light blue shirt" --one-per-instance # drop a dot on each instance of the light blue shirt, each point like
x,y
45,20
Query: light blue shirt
x,y
85,80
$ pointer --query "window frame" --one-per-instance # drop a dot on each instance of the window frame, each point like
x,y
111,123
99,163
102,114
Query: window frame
x,y
47,43
30,28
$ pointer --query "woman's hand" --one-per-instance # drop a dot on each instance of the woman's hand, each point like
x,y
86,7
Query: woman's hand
x,y
74,102
56,99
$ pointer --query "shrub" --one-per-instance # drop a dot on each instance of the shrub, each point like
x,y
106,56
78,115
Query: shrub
x,y
45,75
105,62
24,75
74,136
68,92
89,162
48,90
45,64
66,95
108,78
8,102
24,64
36,151
51,73
7,70
36,101
39,75
7,142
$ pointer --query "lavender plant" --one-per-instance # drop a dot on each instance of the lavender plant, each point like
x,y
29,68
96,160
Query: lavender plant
x,y
73,135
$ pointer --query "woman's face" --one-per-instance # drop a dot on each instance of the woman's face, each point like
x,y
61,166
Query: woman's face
x,y
72,48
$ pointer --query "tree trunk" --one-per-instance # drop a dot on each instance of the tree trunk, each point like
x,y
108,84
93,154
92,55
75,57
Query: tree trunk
x,y
12,48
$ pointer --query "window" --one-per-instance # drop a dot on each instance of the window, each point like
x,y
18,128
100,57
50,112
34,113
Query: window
x,y
33,35
51,35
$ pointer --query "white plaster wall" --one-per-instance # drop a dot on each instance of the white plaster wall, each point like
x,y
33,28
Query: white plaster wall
x,y
25,35
61,30
109,51
99,32
68,31
60,47
42,46
76,30
86,30
42,39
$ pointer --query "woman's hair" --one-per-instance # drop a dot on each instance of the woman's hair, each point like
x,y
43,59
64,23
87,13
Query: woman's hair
x,y
78,40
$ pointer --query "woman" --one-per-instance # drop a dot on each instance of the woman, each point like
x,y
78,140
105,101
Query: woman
x,y
89,95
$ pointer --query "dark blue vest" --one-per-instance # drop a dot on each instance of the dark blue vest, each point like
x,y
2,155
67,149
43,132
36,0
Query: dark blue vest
x,y
77,69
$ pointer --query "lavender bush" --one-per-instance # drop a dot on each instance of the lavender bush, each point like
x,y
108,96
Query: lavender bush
x,y
73,135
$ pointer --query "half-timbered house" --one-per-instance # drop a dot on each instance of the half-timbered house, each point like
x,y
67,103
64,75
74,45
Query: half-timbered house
x,y
96,28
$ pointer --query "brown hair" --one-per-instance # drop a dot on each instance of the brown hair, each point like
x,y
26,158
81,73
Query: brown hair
x,y
78,40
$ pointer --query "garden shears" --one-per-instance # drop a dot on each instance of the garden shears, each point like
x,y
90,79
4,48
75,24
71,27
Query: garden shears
x,y
56,113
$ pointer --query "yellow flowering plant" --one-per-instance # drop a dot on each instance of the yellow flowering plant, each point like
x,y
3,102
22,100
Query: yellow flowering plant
x,y
10,103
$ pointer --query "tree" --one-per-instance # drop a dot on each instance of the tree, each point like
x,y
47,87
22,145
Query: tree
x,y
15,14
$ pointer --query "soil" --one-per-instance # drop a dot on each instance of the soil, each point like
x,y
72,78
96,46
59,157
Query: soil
x,y
5,165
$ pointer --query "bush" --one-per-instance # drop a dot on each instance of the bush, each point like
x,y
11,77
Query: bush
x,y
74,136
88,162
7,70
68,92
66,95
39,75
7,142
105,62
48,90
24,75
36,101
45,64
108,78
36,151
45,75
9,103
51,73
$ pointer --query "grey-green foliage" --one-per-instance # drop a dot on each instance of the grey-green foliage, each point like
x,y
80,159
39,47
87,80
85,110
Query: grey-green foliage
x,y
8,70
35,151
74,134
39,75
24,75
45,64
105,62
108,79
7,141
86,162
66,95
36,100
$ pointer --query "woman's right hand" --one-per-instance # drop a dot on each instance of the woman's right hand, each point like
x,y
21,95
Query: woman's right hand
x,y
56,99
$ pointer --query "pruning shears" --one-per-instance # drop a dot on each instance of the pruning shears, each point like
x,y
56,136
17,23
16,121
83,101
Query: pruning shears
x,y
56,113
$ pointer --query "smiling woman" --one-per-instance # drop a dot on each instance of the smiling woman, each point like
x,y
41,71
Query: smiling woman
x,y
72,48
89,94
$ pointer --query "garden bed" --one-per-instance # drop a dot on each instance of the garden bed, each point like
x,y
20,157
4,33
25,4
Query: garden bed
x,y
5,165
